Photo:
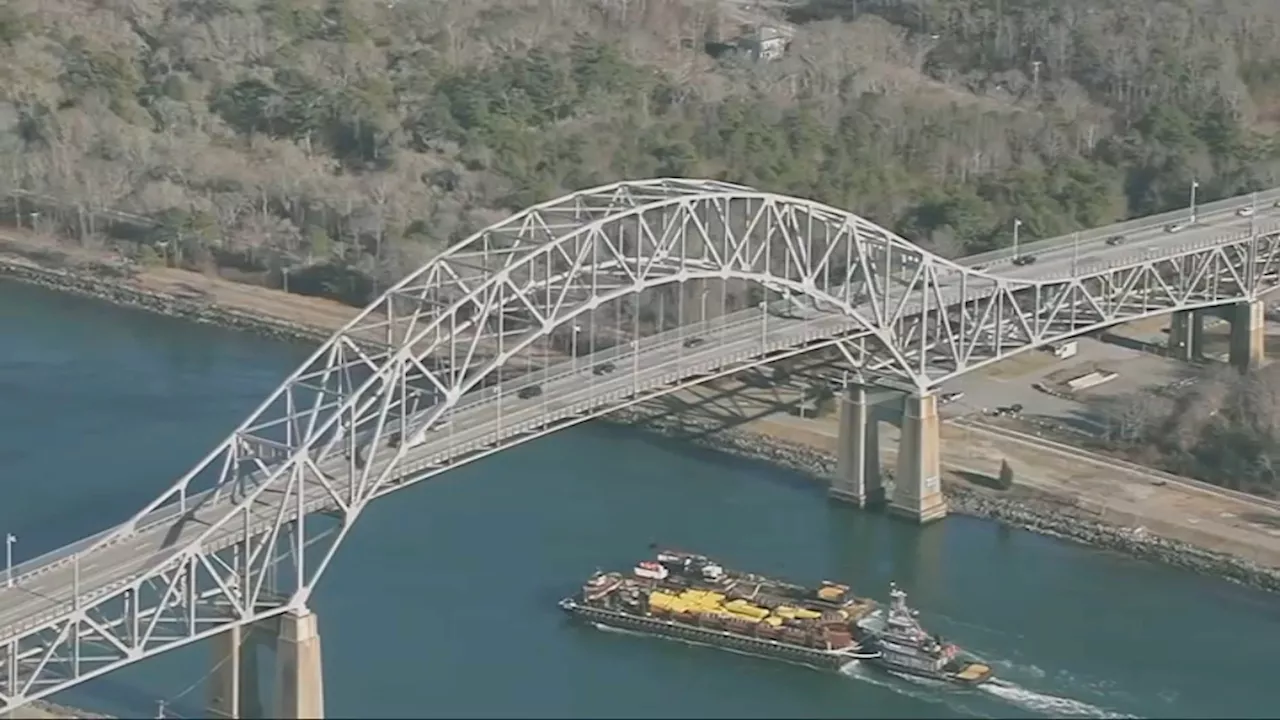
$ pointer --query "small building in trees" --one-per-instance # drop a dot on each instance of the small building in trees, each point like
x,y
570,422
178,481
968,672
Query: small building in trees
x,y
765,42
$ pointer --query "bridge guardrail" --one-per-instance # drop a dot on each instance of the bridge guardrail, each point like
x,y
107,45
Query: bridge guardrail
x,y
1149,222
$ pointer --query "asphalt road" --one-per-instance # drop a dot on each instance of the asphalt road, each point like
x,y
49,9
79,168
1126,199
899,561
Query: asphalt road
x,y
44,589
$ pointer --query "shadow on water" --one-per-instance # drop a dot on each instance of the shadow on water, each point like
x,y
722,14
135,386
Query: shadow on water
x,y
686,447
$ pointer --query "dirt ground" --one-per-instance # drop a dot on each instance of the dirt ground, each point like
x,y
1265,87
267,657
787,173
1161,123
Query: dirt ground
x,y
1117,495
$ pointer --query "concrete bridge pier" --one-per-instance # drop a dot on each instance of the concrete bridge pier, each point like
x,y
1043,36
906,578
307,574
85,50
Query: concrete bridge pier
x,y
299,674
858,478
1248,334
234,690
917,489
1186,335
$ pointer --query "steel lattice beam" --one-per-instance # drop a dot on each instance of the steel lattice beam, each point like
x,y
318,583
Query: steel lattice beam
x,y
601,299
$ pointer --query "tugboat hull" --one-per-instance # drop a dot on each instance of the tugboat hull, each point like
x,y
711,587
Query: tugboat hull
x,y
971,675
905,647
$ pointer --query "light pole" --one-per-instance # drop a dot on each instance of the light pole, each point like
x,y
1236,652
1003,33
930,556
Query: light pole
x,y
705,293
9,540
1194,185
764,325
635,365
573,344
1016,225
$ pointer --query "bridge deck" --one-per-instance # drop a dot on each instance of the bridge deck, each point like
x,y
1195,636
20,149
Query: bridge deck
x,y
44,593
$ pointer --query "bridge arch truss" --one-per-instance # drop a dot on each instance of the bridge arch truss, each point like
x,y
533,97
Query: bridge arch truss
x,y
560,313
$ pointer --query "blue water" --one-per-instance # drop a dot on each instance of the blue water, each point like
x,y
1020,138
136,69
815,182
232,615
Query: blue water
x,y
442,601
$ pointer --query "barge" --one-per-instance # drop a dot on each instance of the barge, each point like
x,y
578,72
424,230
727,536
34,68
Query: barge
x,y
692,598
903,646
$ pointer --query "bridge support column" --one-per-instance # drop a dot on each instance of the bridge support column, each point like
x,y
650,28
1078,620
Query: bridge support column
x,y
299,679
1248,335
917,489
1186,335
234,689
858,474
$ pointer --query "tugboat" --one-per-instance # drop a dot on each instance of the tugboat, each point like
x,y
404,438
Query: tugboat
x,y
905,647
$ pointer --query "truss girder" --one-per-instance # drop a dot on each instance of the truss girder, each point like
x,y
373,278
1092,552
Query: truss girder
x,y
563,312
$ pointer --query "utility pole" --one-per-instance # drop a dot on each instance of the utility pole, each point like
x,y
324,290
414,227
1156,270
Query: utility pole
x,y
1194,185
1016,225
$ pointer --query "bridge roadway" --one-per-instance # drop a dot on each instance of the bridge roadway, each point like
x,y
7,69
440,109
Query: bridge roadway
x,y
43,589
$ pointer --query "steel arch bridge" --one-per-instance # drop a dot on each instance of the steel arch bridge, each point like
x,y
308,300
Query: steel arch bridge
x,y
560,313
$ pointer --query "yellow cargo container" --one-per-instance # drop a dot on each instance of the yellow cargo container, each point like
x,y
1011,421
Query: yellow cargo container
x,y
666,602
831,593
785,611
774,621
747,609
802,614
737,614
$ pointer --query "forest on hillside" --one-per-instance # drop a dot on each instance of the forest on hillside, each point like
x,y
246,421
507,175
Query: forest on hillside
x,y
359,137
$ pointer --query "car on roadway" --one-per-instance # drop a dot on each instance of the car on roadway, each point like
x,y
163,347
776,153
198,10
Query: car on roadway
x,y
1115,240
1024,260
604,368
1245,211
1175,227
948,398
529,392
694,342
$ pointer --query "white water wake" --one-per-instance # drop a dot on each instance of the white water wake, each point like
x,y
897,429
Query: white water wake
x,y
941,693
1045,704
915,688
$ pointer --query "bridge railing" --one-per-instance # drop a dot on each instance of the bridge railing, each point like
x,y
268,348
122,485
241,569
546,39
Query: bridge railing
x,y
1211,240
1150,222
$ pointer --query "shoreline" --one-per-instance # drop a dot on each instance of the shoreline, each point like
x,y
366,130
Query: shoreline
x,y
1025,509
1033,510
124,294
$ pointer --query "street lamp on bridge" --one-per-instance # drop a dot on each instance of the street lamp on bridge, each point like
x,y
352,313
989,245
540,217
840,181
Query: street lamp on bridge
x,y
1195,184
1016,225
9,540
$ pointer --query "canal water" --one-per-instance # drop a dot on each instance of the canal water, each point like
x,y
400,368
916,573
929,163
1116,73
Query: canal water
x,y
442,602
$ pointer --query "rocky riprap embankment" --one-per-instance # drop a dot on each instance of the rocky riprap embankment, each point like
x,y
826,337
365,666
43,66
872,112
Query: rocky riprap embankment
x,y
101,285
1044,515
